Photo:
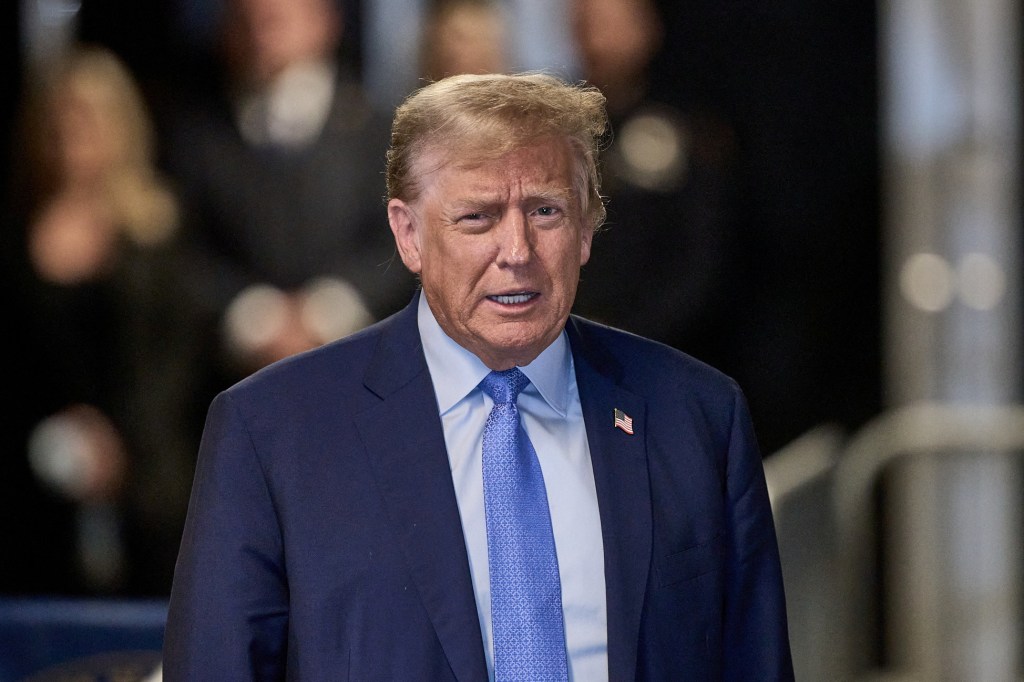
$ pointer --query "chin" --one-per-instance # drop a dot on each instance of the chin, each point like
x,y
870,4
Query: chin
x,y
518,352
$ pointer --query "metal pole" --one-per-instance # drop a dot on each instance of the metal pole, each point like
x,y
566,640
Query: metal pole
x,y
951,127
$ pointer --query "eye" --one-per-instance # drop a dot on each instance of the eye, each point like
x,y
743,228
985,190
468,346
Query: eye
x,y
473,222
547,211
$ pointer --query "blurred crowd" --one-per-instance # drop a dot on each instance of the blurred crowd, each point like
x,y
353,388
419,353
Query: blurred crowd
x,y
175,222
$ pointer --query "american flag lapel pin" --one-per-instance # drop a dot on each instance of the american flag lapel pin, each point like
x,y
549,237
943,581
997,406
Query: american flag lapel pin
x,y
623,421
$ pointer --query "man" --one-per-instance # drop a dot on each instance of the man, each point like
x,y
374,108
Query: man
x,y
351,516
275,153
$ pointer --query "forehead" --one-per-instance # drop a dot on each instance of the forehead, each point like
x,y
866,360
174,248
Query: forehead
x,y
543,165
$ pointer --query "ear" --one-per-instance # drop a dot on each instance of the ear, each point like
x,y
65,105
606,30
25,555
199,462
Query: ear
x,y
406,228
586,239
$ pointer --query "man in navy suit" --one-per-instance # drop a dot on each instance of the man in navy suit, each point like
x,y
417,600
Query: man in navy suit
x,y
339,527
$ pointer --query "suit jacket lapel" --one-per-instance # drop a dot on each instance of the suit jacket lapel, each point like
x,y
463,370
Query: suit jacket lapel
x,y
623,493
405,441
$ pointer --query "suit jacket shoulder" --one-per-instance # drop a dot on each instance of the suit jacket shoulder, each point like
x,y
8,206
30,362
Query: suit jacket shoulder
x,y
361,363
666,377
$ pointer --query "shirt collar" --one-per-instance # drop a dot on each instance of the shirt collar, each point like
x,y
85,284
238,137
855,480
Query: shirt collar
x,y
463,371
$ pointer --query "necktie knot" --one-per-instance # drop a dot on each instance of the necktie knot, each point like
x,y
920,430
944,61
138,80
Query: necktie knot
x,y
504,387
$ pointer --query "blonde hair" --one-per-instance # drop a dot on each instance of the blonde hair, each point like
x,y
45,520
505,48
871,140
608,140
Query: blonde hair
x,y
142,202
492,114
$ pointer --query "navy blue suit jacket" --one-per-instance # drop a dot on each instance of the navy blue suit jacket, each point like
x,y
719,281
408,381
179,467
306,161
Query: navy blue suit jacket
x,y
324,543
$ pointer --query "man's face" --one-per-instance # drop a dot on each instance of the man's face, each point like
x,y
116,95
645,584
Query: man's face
x,y
498,246
264,37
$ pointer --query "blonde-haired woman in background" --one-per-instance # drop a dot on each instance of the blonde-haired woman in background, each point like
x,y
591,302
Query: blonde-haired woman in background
x,y
91,155
106,334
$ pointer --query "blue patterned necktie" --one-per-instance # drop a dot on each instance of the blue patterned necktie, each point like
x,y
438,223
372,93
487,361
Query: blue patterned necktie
x,y
526,597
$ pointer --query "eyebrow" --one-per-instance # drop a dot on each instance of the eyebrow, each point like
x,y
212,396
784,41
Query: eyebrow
x,y
483,200
565,195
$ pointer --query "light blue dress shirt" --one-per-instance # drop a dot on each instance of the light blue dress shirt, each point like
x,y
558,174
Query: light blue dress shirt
x,y
553,419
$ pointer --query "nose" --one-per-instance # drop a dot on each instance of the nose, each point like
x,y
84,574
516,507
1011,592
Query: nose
x,y
515,247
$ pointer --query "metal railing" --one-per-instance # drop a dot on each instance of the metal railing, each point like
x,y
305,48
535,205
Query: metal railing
x,y
825,495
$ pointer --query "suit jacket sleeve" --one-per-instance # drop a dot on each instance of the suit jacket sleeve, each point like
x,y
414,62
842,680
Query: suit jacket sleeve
x,y
228,613
756,638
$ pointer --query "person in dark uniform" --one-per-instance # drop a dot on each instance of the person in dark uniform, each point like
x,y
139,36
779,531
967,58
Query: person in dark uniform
x,y
274,165
665,268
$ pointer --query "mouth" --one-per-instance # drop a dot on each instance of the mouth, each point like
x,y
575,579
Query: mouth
x,y
517,298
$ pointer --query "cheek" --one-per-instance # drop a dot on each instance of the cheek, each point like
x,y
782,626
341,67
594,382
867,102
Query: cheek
x,y
451,283
573,253
463,259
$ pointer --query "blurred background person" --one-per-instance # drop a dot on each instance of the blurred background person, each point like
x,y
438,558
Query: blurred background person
x,y
535,37
275,160
666,267
463,36
105,358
